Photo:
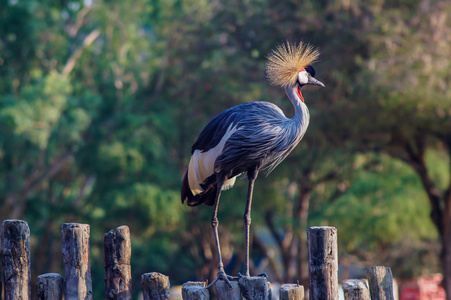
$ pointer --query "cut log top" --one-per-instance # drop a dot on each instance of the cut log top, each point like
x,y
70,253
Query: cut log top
x,y
195,290
380,280
291,292
255,287
75,243
50,286
355,289
15,238
118,248
155,286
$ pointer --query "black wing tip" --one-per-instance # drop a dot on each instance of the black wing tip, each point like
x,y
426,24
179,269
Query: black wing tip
x,y
185,187
207,197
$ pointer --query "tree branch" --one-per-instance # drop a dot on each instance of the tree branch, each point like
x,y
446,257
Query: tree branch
x,y
327,177
88,40
50,172
416,160
79,21
30,184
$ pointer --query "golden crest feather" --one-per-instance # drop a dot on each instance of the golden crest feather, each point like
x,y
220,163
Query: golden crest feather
x,y
287,60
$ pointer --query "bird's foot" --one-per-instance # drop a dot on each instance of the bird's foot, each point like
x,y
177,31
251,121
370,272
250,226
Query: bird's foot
x,y
260,275
223,276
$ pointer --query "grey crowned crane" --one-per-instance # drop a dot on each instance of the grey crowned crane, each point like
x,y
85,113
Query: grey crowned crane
x,y
249,137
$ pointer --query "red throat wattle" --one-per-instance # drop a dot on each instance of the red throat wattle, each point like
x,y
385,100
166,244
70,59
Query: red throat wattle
x,y
299,94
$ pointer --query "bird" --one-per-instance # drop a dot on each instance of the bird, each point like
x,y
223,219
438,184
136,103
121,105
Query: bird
x,y
250,137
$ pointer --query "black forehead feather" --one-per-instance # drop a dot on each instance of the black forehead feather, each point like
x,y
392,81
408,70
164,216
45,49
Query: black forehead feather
x,y
310,70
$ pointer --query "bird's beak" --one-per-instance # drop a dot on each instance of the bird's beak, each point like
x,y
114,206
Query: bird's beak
x,y
314,81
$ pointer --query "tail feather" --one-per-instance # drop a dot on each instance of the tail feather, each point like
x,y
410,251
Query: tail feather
x,y
185,186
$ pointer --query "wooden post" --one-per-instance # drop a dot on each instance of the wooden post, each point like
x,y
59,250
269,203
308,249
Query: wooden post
x,y
323,263
225,292
155,286
355,289
195,290
118,273
77,262
291,291
50,286
255,287
380,280
15,250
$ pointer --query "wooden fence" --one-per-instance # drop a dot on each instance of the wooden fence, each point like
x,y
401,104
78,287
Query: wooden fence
x,y
77,283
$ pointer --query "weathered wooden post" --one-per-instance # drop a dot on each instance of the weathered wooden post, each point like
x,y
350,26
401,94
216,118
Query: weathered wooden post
x,y
155,286
355,289
225,292
118,274
323,263
291,292
195,290
50,286
380,280
15,250
77,262
255,287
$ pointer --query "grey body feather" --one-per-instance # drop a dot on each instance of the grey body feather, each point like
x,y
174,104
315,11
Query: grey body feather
x,y
264,137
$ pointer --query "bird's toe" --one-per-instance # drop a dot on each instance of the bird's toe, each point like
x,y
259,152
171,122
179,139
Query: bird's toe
x,y
221,276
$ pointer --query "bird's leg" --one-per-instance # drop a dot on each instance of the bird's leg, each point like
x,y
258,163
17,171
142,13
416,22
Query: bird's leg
x,y
251,175
214,224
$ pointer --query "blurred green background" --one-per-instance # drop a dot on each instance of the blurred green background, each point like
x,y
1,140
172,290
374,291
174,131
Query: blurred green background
x,y
100,102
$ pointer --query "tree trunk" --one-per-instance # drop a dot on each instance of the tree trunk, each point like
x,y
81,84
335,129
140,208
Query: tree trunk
x,y
445,256
446,232
440,204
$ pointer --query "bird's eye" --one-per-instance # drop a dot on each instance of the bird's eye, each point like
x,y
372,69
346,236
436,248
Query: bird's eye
x,y
303,77
310,70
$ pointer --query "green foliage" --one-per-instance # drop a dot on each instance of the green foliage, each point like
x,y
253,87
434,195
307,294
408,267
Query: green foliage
x,y
152,206
37,111
388,205
439,162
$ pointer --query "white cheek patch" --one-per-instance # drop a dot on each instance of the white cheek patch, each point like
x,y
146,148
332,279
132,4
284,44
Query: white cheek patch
x,y
303,77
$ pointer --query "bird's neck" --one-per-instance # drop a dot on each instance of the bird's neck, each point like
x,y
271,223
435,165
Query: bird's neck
x,y
300,109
